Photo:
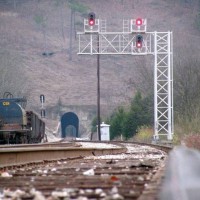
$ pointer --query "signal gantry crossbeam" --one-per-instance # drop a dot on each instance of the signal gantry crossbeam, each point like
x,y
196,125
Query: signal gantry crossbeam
x,y
135,40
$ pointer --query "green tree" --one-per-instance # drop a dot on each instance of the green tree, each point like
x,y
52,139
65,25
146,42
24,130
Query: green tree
x,y
127,123
117,122
94,124
140,114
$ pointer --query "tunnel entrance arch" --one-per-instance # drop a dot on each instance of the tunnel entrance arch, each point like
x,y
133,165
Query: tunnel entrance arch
x,y
69,125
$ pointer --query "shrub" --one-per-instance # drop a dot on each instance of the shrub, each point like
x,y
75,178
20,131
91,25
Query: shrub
x,y
192,141
125,123
144,134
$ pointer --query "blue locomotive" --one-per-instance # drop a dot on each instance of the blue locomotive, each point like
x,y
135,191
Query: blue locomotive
x,y
17,125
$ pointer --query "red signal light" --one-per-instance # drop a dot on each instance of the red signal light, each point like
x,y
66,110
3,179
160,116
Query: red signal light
x,y
139,45
91,22
91,19
139,40
138,22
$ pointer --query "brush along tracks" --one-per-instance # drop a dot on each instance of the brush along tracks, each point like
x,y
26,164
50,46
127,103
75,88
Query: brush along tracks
x,y
106,171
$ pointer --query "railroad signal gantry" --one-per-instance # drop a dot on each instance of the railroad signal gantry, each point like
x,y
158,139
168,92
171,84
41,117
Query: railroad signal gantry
x,y
135,40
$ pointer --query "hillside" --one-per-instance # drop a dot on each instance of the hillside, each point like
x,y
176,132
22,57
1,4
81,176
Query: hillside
x,y
29,28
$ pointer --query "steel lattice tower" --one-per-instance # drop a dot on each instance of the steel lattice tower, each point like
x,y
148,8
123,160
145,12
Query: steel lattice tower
x,y
96,40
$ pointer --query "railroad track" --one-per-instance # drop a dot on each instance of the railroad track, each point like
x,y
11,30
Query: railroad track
x,y
95,171
25,154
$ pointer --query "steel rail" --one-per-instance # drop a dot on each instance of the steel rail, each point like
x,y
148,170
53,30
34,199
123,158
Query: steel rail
x,y
25,155
135,172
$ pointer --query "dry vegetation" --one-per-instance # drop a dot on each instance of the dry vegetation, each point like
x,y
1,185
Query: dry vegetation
x,y
31,27
192,140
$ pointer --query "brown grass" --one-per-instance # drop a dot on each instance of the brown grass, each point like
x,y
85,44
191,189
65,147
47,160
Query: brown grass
x,y
144,134
192,140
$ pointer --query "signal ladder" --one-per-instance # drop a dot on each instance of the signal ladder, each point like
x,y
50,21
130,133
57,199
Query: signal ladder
x,y
103,27
126,29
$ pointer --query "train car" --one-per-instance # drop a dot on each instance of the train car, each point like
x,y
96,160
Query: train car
x,y
18,126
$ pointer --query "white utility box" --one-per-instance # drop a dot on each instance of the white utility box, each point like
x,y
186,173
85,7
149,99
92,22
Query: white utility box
x,y
105,132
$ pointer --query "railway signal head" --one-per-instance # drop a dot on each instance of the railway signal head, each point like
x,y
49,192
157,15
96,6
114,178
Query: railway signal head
x,y
139,40
91,19
42,98
138,22
43,113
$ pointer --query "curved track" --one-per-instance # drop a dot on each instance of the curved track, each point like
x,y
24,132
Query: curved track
x,y
88,171
24,154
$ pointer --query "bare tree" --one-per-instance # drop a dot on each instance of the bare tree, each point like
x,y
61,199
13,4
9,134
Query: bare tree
x,y
60,5
75,7
40,20
12,77
143,77
187,84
